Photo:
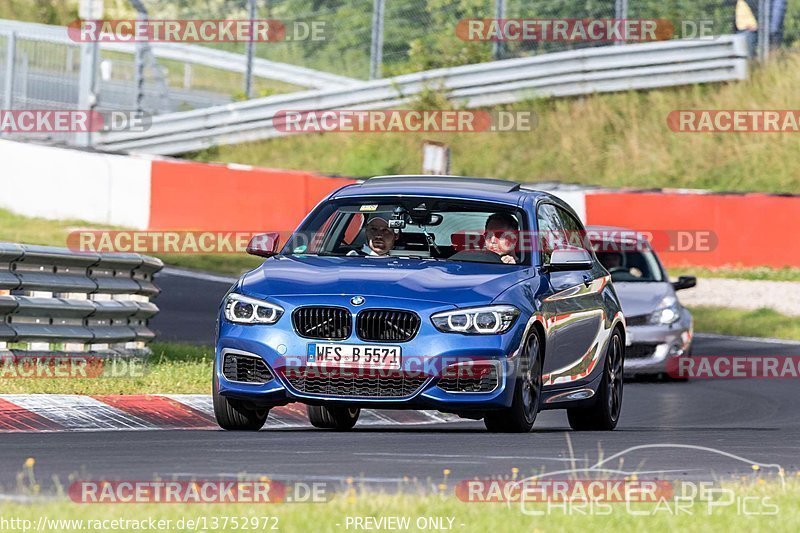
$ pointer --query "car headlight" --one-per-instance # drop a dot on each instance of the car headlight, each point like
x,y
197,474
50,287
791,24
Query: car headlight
x,y
489,320
242,309
668,312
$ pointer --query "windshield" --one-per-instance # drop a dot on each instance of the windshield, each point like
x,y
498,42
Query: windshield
x,y
413,228
631,265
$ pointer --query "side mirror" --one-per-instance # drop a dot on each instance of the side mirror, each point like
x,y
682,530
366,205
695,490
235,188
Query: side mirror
x,y
264,244
684,282
569,258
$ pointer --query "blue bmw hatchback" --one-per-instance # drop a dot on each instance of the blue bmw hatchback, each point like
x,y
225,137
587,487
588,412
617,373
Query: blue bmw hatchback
x,y
462,295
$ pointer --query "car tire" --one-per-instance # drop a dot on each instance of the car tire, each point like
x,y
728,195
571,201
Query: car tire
x,y
339,418
603,415
235,415
519,418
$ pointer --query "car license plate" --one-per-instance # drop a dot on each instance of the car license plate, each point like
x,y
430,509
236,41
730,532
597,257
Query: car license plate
x,y
354,356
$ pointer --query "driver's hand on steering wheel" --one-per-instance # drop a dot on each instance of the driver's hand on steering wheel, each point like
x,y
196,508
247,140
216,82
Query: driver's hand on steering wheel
x,y
509,259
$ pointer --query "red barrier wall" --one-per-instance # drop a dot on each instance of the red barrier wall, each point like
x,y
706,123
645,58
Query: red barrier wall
x,y
201,196
750,229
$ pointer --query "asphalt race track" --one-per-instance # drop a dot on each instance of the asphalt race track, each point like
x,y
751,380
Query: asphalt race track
x,y
754,419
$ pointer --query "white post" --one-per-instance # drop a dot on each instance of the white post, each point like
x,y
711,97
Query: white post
x,y
499,47
376,51
250,51
8,95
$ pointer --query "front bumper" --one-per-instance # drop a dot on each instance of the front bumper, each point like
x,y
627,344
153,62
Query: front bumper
x,y
425,357
650,348
421,369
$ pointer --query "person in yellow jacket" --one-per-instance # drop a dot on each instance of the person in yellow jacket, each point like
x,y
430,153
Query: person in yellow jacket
x,y
746,21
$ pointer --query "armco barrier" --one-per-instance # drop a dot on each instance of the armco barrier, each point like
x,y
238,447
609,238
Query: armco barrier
x,y
749,229
572,73
55,301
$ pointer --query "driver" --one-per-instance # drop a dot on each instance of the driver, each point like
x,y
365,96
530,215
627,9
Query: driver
x,y
380,238
612,261
501,236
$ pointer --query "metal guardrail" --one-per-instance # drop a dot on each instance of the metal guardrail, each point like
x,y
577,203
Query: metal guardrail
x,y
594,70
192,54
222,60
54,301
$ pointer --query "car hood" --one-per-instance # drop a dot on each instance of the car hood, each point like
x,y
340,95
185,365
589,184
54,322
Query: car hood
x,y
443,282
642,298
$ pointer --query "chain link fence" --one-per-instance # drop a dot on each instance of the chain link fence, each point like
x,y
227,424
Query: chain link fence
x,y
379,38
359,40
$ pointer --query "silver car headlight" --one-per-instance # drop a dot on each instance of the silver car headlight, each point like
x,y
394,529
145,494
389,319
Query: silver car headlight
x,y
668,312
241,309
489,320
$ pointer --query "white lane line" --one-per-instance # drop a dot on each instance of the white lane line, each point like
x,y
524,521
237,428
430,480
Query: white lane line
x,y
76,412
418,461
469,456
205,276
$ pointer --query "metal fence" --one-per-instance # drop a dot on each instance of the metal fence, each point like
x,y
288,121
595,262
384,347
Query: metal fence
x,y
41,68
54,301
570,73
378,38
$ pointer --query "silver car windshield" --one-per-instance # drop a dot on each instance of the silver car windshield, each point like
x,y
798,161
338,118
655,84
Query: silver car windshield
x,y
631,266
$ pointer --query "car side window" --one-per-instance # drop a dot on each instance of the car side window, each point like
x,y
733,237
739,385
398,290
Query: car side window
x,y
575,233
551,231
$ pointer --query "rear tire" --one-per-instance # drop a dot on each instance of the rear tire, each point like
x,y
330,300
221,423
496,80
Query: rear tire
x,y
235,415
603,415
336,417
519,418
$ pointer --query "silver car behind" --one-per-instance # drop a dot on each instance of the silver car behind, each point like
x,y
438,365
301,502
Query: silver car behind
x,y
659,327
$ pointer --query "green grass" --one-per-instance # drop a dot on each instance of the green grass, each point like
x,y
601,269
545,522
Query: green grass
x,y
30,230
759,273
615,140
467,517
744,323
173,368
231,264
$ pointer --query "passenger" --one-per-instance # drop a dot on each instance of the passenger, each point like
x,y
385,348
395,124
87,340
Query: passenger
x,y
501,236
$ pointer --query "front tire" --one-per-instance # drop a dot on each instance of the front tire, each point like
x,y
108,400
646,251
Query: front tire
x,y
603,415
519,418
235,415
336,417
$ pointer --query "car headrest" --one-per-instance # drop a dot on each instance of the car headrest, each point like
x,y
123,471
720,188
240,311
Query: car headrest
x,y
467,240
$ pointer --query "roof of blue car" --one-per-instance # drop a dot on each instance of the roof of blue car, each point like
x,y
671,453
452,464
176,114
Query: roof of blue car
x,y
487,189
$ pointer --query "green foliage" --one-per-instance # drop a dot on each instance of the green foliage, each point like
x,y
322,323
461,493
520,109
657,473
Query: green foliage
x,y
757,323
616,140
